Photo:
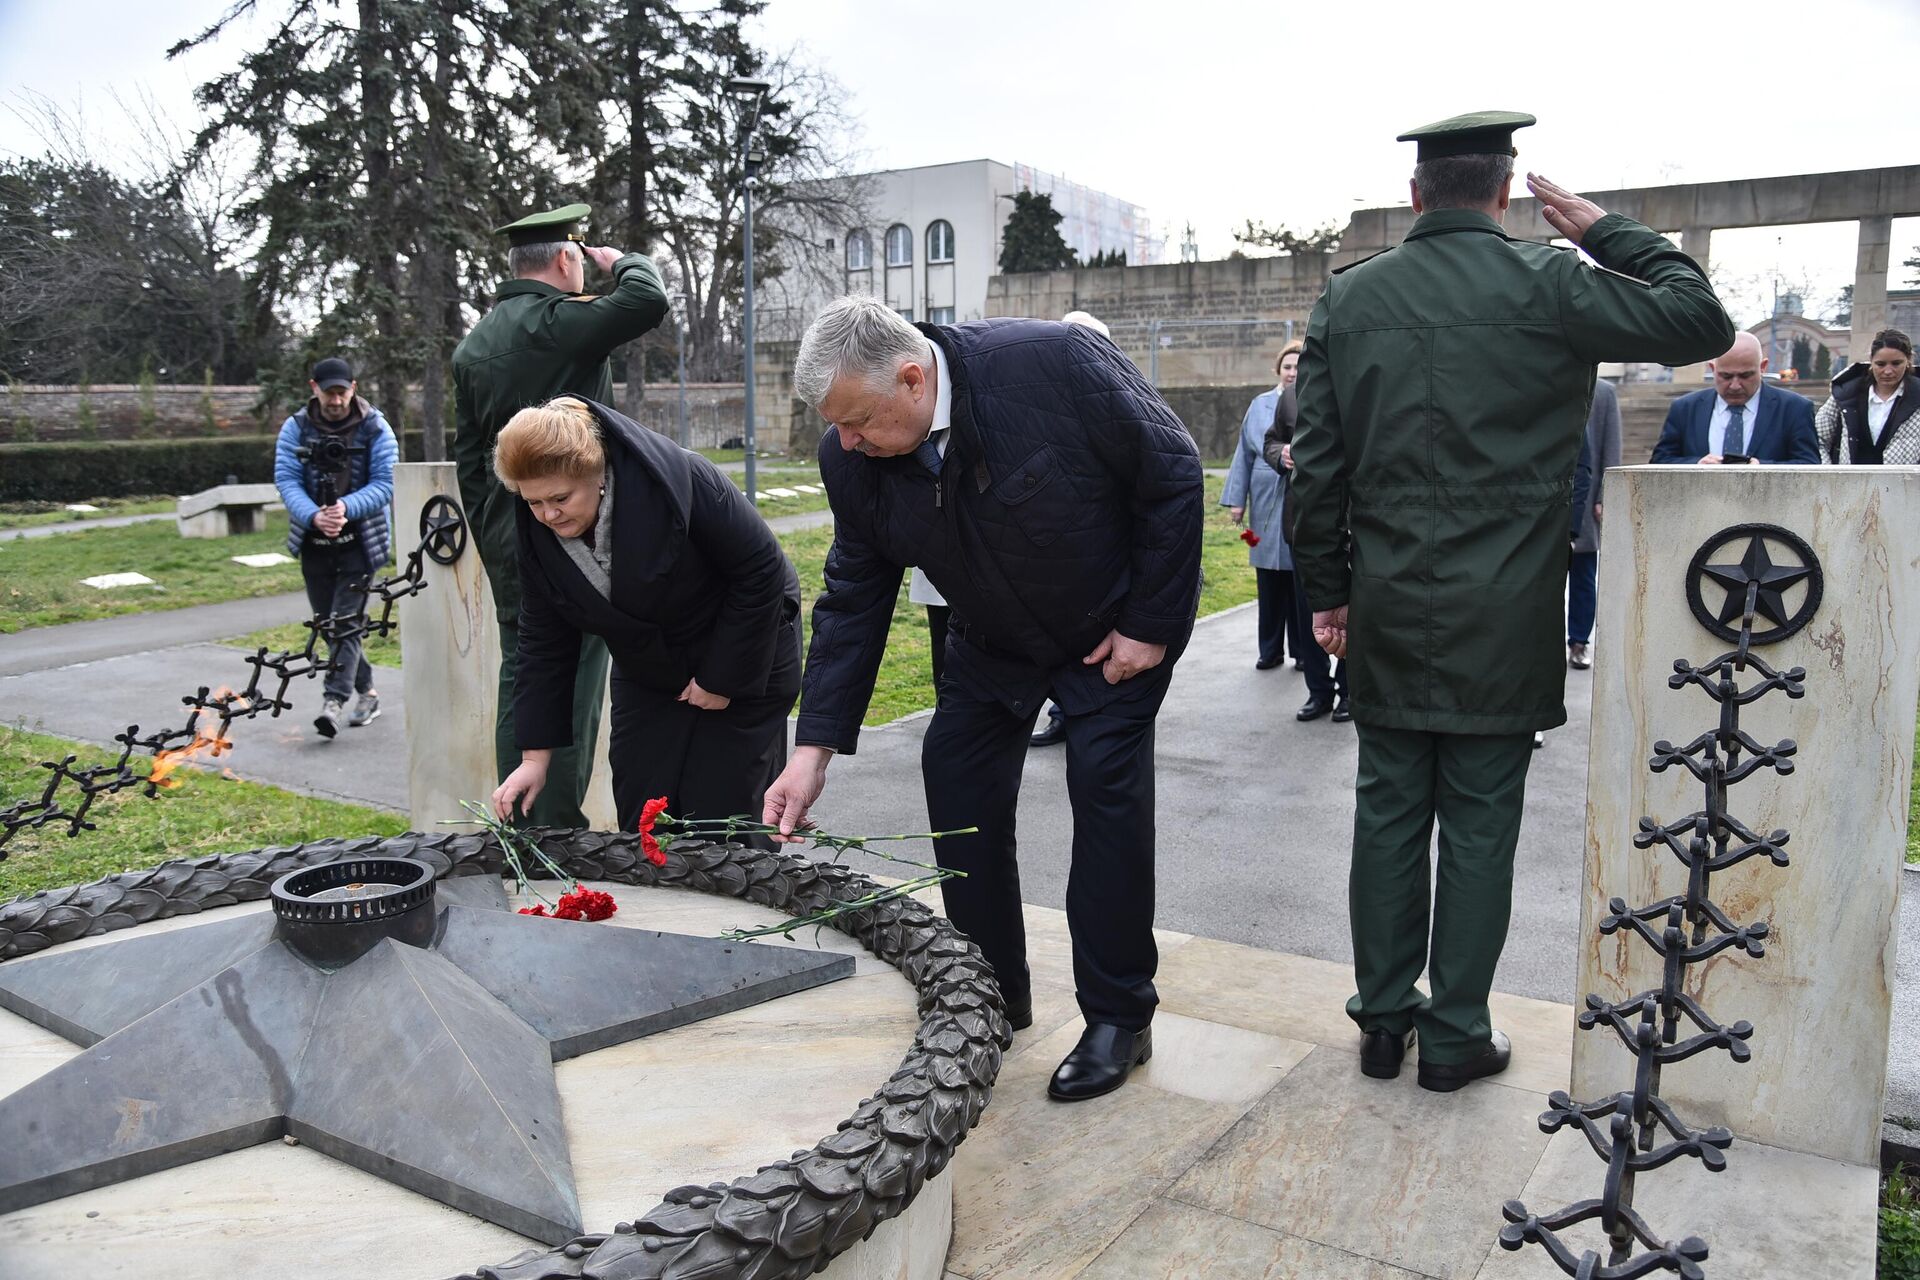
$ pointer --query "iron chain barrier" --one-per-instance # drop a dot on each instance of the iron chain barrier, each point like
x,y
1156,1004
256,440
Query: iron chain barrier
x,y
70,792
1635,1131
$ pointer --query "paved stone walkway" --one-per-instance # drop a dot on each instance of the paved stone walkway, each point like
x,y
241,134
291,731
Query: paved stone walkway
x,y
78,526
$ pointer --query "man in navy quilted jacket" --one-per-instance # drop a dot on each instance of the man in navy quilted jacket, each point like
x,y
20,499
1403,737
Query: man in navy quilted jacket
x,y
1055,501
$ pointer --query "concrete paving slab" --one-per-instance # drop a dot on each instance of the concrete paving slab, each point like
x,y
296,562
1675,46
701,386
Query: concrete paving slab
x,y
1742,1212
1380,1168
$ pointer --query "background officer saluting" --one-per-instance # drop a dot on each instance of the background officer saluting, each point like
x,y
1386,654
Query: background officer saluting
x,y
543,338
1430,528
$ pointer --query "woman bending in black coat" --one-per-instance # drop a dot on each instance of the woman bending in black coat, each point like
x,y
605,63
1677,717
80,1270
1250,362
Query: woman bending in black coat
x,y
626,536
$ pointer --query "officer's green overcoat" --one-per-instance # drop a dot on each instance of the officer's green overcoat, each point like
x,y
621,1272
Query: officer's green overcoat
x,y
536,343
1443,395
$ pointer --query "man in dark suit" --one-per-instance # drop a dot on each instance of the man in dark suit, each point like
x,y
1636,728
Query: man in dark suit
x,y
1055,501
1739,416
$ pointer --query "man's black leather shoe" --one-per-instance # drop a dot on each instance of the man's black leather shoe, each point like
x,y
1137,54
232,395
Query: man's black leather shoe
x,y
1019,1011
1315,708
1267,664
1100,1062
1056,731
1446,1077
1342,712
1381,1053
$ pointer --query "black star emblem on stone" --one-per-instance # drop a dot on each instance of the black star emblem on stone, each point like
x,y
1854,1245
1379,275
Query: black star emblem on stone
x,y
427,1062
1756,567
443,528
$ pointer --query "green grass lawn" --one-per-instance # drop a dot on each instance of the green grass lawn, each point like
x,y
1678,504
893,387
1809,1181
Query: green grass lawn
x,y
785,477
1913,807
40,577
21,515
208,813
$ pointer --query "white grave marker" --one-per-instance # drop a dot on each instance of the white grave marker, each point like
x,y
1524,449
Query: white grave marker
x,y
106,580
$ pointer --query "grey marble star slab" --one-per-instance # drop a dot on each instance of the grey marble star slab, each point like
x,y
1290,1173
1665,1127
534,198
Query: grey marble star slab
x,y
429,1066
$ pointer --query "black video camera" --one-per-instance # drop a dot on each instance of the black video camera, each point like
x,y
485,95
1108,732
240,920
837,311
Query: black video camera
x,y
328,453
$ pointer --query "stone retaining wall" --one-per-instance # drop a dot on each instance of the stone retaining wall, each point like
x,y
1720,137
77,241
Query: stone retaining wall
x,y
715,411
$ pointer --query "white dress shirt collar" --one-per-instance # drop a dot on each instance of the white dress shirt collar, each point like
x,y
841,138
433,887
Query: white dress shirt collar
x,y
942,400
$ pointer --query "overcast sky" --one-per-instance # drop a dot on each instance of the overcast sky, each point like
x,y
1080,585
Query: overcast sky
x,y
1214,111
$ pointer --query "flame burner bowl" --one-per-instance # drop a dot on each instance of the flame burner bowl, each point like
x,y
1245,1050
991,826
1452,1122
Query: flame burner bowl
x,y
333,914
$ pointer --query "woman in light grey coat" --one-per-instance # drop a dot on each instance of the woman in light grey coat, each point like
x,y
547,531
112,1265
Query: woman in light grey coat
x,y
1603,451
1253,495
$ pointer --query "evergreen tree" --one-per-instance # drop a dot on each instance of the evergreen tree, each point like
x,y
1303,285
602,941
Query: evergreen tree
x,y
1802,355
1032,239
1822,363
385,148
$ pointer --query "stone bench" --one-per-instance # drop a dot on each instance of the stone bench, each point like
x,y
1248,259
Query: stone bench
x,y
225,510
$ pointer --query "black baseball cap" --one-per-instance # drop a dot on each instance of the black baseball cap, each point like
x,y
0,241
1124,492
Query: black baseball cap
x,y
332,372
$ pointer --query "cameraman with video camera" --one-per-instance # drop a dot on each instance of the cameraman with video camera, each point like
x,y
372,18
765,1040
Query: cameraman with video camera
x,y
333,466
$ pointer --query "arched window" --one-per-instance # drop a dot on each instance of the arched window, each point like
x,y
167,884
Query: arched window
x,y
940,241
859,251
899,246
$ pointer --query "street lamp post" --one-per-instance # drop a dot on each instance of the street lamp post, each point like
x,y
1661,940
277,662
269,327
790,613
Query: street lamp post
x,y
680,304
751,94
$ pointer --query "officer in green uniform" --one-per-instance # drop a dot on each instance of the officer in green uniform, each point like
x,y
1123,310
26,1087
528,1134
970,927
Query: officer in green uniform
x,y
543,338
1443,398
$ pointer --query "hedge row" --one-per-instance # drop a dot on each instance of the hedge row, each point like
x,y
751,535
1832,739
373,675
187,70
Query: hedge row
x,y
68,471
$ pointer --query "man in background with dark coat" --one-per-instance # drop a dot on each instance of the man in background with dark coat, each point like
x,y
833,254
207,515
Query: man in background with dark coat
x,y
1443,405
543,338
1055,502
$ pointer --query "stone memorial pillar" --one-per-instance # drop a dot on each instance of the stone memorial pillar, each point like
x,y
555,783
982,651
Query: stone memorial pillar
x,y
451,668
1697,243
1820,999
1871,256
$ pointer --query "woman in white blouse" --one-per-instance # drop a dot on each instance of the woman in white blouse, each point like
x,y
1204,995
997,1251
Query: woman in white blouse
x,y
1871,417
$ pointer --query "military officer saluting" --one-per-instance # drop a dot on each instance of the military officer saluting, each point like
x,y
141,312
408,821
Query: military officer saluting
x,y
543,338
1430,510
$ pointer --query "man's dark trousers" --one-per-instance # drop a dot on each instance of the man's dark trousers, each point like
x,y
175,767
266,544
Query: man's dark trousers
x,y
336,579
971,761
571,768
1475,785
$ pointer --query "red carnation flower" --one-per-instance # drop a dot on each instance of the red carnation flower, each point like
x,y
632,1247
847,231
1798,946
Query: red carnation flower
x,y
538,909
648,845
586,904
1249,537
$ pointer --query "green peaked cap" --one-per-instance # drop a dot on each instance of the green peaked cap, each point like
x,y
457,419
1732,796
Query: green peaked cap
x,y
568,222
1477,133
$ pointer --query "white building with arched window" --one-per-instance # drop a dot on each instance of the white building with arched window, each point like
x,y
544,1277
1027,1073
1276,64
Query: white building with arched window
x,y
937,229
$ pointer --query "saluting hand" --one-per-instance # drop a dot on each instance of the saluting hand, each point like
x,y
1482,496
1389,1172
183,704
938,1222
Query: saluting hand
x,y
1122,658
1571,215
1330,630
601,256
702,699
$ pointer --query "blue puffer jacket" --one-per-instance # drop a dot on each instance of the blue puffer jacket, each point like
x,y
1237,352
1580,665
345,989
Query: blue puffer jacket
x,y
1069,505
372,481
